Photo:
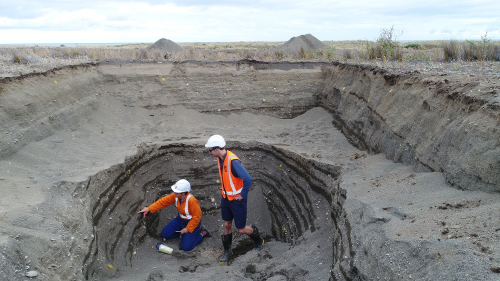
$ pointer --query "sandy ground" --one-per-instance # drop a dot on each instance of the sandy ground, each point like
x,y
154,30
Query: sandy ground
x,y
70,155
373,180
415,207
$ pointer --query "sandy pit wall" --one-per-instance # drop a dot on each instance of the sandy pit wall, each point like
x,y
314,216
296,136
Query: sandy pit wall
x,y
35,106
412,118
443,123
290,190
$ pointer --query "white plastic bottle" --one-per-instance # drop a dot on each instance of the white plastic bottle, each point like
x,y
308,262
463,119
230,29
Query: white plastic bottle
x,y
164,248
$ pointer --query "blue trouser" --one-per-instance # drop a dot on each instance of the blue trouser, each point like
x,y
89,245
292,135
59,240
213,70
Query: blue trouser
x,y
235,209
189,240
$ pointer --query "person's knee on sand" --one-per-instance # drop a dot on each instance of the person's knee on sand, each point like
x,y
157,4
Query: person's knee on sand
x,y
190,240
188,221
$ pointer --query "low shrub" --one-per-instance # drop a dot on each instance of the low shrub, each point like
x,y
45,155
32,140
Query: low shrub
x,y
386,47
413,46
330,54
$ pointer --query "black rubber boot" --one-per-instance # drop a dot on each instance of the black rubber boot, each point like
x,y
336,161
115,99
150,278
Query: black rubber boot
x,y
259,242
227,240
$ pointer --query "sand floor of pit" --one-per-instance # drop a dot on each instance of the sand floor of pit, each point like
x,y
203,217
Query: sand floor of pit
x,y
114,132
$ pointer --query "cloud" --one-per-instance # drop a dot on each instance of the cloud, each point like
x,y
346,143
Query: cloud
x,y
225,20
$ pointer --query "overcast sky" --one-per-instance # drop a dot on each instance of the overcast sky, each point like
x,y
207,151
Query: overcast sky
x,y
145,21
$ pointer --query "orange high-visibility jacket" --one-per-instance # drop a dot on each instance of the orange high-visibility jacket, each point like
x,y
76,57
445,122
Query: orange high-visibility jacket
x,y
190,207
231,185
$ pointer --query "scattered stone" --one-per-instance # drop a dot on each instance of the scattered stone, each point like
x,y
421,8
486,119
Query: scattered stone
x,y
485,250
495,269
32,273
357,155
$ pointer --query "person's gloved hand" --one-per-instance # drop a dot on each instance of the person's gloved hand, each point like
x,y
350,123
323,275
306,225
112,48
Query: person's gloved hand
x,y
144,211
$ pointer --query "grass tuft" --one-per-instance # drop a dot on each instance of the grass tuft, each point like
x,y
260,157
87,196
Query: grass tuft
x,y
303,53
384,51
483,50
16,58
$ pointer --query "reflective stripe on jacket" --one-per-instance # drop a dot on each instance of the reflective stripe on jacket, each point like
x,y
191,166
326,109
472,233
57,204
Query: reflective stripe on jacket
x,y
231,185
193,208
187,216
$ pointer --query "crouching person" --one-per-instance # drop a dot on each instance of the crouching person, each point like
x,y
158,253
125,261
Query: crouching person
x,y
188,221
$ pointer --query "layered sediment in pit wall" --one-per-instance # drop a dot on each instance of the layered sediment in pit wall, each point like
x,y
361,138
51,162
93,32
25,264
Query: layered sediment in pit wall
x,y
442,123
36,106
292,187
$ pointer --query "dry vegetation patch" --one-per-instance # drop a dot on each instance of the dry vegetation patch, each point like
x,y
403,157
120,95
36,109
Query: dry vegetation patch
x,y
466,57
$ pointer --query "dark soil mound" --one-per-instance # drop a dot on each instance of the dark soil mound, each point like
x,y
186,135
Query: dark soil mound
x,y
164,45
307,42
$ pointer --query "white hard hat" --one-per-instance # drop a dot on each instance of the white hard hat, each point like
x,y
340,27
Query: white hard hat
x,y
181,186
216,140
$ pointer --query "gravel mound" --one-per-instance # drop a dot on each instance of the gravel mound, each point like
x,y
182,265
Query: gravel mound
x,y
164,45
307,42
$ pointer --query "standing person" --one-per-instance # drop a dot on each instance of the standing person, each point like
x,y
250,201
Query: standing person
x,y
188,221
235,186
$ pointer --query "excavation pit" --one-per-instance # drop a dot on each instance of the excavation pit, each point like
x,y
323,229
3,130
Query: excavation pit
x,y
383,175
290,195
